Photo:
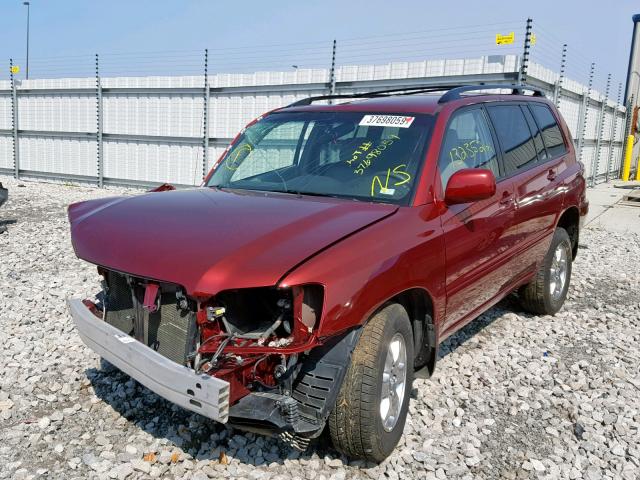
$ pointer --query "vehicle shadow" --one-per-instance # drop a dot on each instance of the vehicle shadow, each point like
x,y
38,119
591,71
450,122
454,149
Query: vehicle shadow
x,y
507,305
4,224
198,436
204,439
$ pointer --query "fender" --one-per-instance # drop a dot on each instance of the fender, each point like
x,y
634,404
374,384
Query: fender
x,y
366,269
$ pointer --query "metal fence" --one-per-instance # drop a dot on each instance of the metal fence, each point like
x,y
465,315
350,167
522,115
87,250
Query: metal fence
x,y
145,130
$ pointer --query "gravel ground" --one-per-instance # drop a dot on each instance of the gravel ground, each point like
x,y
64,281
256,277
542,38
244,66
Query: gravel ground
x,y
514,396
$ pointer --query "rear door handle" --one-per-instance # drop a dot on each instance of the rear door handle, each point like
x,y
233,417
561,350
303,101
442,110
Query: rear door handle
x,y
552,174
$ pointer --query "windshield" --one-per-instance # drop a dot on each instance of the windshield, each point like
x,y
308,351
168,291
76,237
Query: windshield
x,y
365,156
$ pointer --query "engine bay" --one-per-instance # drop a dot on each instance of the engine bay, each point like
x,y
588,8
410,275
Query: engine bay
x,y
252,338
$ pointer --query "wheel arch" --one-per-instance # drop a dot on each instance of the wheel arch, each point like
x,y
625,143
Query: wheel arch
x,y
570,221
420,307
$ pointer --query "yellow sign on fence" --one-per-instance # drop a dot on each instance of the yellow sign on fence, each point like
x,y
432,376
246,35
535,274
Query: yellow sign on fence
x,y
15,69
505,39
533,39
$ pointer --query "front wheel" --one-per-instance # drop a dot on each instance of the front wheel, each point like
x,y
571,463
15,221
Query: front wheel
x,y
373,401
546,293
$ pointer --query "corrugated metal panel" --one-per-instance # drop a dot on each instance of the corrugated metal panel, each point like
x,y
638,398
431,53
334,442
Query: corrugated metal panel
x,y
588,155
608,119
5,112
140,114
620,129
146,162
617,158
6,151
604,158
58,155
593,117
62,113
570,110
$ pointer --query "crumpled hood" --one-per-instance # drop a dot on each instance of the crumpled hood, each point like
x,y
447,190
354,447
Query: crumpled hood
x,y
209,240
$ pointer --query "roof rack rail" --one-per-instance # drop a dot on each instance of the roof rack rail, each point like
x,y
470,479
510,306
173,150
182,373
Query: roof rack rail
x,y
376,93
455,93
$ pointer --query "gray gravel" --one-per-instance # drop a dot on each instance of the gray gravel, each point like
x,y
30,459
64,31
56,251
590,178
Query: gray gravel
x,y
515,395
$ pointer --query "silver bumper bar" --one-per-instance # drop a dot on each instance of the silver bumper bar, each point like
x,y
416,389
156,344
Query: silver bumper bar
x,y
204,394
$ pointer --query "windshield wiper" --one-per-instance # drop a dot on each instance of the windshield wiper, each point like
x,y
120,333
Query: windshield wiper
x,y
319,194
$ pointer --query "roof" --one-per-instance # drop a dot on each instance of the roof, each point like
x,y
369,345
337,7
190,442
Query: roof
x,y
397,103
416,103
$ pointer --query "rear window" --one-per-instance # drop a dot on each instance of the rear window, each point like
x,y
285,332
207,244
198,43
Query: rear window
x,y
514,137
551,134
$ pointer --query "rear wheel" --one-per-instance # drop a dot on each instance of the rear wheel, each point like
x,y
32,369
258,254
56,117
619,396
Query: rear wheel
x,y
546,293
373,401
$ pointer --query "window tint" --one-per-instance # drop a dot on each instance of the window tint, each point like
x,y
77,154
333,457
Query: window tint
x,y
551,134
537,138
467,144
514,137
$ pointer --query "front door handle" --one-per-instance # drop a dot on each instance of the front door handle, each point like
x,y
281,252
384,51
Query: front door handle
x,y
507,198
552,174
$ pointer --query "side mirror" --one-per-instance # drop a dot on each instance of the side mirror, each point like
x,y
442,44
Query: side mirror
x,y
470,185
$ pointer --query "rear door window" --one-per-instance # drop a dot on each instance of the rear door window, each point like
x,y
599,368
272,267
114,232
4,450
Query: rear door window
x,y
518,148
537,137
551,134
467,144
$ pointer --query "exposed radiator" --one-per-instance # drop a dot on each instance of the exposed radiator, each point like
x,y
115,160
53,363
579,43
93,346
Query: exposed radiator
x,y
170,330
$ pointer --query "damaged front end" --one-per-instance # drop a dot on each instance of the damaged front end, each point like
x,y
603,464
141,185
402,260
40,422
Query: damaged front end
x,y
259,346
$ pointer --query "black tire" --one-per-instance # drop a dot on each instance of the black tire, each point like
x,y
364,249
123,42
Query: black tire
x,y
536,296
355,424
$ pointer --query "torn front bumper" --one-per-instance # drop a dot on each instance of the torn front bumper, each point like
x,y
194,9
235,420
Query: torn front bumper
x,y
200,393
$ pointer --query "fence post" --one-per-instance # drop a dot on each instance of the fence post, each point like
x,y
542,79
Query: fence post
x,y
524,64
100,166
332,71
584,108
557,94
613,132
595,163
14,123
205,117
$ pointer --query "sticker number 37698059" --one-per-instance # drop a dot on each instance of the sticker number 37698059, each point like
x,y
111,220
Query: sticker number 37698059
x,y
387,121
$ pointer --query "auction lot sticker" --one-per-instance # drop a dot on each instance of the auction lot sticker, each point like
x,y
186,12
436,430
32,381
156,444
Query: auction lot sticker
x,y
387,121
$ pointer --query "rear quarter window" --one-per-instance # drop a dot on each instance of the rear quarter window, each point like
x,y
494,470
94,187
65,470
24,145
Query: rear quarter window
x,y
551,133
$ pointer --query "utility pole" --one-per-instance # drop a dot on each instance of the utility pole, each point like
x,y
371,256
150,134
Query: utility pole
x,y
27,70
633,71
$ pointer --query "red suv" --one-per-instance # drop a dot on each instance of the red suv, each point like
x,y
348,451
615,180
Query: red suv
x,y
329,252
